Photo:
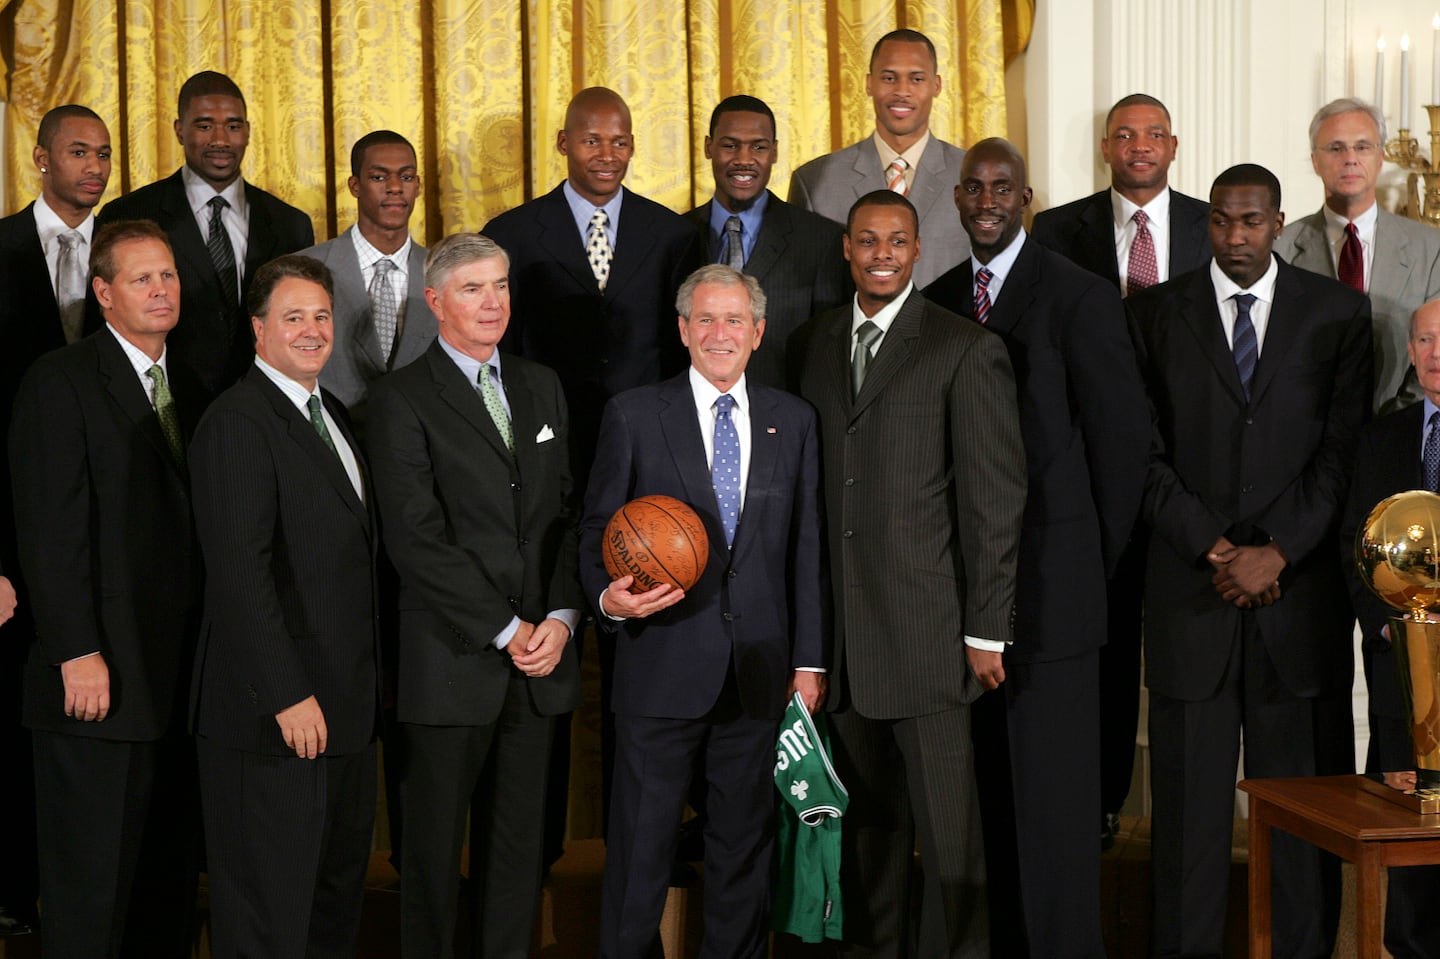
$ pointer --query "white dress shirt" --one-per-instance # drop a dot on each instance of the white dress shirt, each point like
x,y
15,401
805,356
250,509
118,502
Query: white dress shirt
x,y
1000,265
235,217
883,318
1364,226
1264,292
49,226
706,395
296,393
1158,212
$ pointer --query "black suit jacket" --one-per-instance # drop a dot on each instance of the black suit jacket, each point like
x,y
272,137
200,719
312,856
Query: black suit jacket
x,y
29,328
800,264
1387,462
214,340
1084,231
105,537
1274,468
1086,428
289,592
478,535
598,343
760,604
924,493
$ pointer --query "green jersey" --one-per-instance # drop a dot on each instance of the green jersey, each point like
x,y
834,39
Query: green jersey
x,y
807,877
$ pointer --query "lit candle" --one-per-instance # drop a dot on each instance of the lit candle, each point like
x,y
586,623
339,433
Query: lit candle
x,y
1405,81
1435,65
1380,74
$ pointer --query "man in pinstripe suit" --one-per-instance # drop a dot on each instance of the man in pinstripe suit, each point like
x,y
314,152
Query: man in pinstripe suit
x,y
924,490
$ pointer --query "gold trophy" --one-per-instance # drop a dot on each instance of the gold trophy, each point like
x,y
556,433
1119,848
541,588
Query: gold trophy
x,y
1398,552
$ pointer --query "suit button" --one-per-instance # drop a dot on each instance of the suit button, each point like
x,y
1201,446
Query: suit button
x,y
1249,421
604,361
1247,488
728,617
851,431
850,481
733,574
524,542
465,643
514,485
514,604
848,533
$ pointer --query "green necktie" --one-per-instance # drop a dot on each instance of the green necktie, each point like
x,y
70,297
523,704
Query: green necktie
x,y
318,421
165,410
491,395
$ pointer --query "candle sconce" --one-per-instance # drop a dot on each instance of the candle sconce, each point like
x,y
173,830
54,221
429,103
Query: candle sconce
x,y
1422,187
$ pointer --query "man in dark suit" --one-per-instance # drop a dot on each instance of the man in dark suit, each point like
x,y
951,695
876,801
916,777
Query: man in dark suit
x,y
1104,233
706,674
381,320
1086,429
924,493
1259,376
902,155
1389,461
593,273
44,261
112,575
285,693
795,254
473,482
221,227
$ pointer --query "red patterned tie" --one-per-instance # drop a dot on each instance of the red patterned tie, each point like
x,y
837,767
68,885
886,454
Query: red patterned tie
x,y
982,295
1352,260
1142,270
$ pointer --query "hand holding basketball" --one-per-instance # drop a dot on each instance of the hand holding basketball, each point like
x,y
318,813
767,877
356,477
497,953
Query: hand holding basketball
x,y
655,539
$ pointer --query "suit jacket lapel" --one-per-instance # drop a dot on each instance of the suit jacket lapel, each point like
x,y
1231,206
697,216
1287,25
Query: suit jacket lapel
x,y
687,449
350,291
125,390
1096,236
1282,331
932,183
1018,291
302,433
866,168
1312,250
463,397
633,242
1182,225
260,239
1202,316
1392,260
524,426
772,242
895,351
558,235
175,210
765,441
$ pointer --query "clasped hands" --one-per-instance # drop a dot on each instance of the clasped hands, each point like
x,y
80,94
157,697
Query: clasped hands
x,y
1246,576
536,648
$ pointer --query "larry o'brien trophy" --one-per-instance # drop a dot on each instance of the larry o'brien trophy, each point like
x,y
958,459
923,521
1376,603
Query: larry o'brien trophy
x,y
1398,552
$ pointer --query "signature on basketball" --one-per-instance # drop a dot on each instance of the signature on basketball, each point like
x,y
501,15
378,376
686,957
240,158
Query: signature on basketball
x,y
632,563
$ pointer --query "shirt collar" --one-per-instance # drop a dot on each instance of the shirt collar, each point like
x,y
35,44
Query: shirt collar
x,y
1263,289
582,209
368,255
884,316
911,156
135,355
1001,263
1123,208
198,193
749,219
706,394
293,391
48,224
468,364
1364,223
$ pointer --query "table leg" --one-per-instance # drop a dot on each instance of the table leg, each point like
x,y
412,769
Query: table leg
x,y
1368,875
1259,872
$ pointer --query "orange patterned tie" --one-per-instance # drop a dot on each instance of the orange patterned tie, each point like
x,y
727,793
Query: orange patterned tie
x,y
895,177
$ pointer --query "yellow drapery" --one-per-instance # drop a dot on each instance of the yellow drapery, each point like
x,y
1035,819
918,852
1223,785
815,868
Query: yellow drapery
x,y
480,86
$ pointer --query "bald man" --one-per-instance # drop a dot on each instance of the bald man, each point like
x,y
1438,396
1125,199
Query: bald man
x,y
594,270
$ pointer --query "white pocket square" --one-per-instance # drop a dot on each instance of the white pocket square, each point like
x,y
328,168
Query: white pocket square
x,y
545,435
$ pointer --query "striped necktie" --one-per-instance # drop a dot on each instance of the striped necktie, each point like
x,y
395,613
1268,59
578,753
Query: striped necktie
x,y
982,295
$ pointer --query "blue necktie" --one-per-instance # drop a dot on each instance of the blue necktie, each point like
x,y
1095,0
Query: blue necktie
x,y
1246,347
1432,454
725,468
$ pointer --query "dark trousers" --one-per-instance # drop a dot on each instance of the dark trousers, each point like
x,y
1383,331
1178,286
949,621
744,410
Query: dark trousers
x,y
19,865
1036,765
496,773
119,846
909,780
1194,751
288,843
1120,675
654,762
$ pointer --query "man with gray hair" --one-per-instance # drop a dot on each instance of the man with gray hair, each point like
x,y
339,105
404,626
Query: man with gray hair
x,y
707,673
1393,259
470,453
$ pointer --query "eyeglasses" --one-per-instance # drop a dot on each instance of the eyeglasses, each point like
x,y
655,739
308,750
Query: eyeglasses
x,y
1361,148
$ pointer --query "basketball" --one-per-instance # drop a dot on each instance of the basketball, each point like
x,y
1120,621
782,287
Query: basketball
x,y
656,539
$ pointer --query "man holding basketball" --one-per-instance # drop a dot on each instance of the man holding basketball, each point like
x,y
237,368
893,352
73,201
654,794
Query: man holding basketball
x,y
472,473
707,672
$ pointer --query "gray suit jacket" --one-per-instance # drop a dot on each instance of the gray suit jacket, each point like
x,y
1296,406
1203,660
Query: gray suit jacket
x,y
924,479
830,185
356,360
1406,274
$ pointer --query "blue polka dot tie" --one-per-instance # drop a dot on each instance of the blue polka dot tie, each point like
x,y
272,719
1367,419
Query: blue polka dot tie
x,y
725,468
1432,454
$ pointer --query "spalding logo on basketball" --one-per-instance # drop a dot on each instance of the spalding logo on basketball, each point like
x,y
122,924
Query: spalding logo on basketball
x,y
657,539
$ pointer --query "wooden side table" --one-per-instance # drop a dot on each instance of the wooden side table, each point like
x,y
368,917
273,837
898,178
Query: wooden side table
x,y
1345,816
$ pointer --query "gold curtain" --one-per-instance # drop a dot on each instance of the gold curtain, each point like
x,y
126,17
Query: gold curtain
x,y
480,86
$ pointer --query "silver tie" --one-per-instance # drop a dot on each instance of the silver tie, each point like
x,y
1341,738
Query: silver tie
x,y
385,308
70,272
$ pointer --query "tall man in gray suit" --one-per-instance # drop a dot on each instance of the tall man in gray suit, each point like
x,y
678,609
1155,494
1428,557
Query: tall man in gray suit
x,y
795,254
924,480
381,320
902,155
1137,233
1393,259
